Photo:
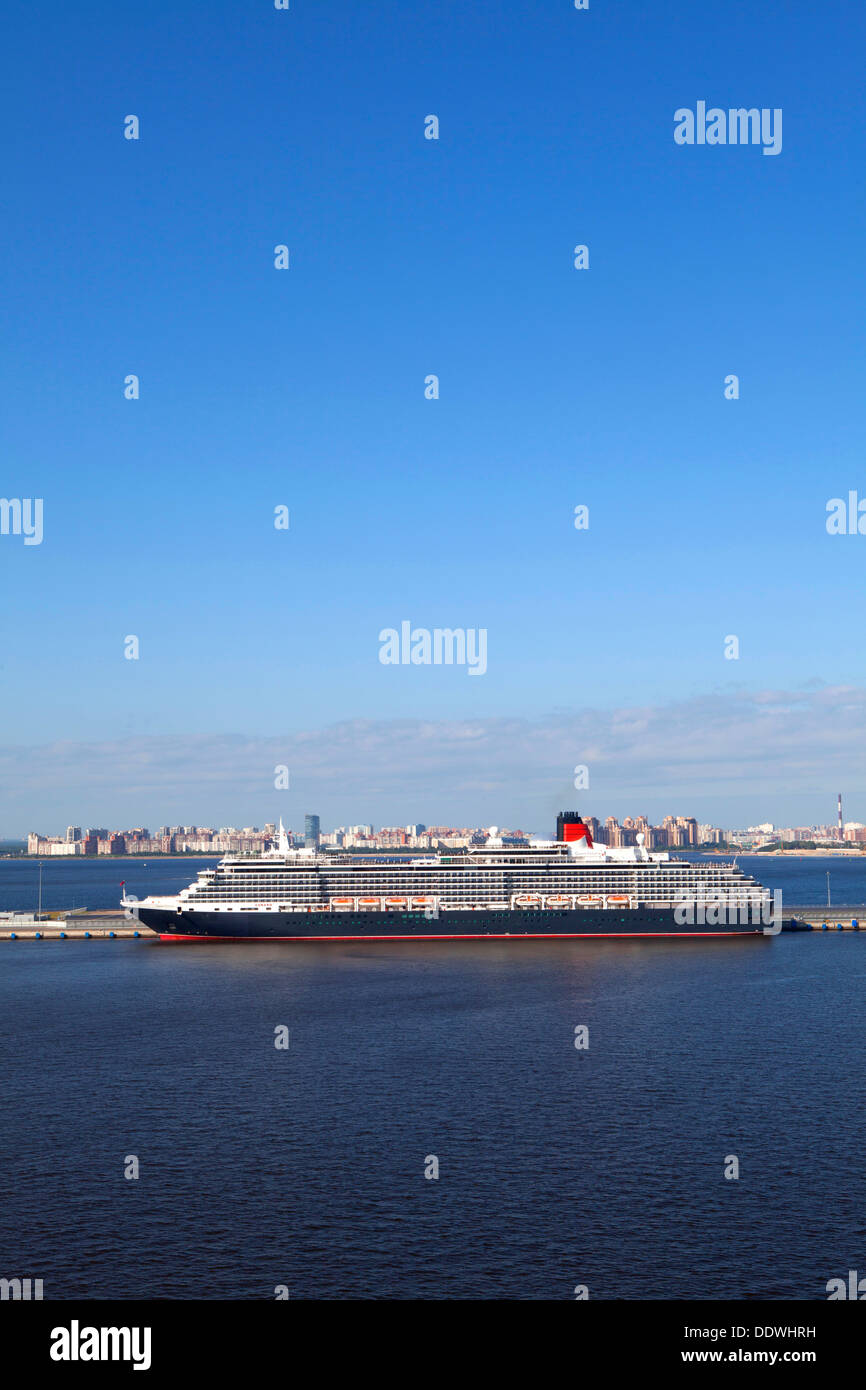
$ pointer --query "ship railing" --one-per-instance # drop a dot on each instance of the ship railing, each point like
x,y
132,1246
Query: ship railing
x,y
529,901
387,902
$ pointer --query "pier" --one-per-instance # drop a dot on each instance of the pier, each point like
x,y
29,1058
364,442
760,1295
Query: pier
x,y
829,918
105,925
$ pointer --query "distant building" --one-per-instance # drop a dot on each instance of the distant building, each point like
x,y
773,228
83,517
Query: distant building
x,y
312,832
690,825
73,833
52,844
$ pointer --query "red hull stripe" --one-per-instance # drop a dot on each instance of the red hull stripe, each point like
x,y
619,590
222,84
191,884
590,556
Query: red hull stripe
x,y
486,936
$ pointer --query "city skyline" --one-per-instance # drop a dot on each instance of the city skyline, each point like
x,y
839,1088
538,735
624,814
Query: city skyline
x,y
672,832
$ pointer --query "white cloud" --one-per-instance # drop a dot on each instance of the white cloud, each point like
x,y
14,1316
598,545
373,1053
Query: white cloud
x,y
779,755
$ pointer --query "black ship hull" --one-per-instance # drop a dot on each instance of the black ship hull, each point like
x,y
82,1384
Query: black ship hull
x,y
446,926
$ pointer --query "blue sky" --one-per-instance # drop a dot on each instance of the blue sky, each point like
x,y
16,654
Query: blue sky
x,y
306,388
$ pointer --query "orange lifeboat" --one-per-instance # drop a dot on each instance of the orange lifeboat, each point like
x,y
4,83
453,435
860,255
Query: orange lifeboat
x,y
528,900
589,900
370,904
342,904
392,903
618,899
421,903
558,900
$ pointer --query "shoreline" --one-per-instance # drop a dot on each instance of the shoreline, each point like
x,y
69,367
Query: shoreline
x,y
112,858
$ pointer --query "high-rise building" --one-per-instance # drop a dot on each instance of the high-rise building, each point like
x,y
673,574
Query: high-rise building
x,y
73,833
312,832
690,826
612,832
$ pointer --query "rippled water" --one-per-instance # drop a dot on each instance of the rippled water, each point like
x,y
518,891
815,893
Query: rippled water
x,y
557,1167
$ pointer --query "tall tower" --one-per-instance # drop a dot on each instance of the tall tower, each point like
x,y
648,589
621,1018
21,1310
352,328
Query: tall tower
x,y
841,831
311,832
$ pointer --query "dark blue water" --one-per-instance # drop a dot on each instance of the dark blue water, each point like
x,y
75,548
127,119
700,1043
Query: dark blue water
x,y
557,1167
93,883
305,1167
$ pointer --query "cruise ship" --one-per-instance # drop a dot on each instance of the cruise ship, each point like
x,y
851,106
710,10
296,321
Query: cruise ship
x,y
568,887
